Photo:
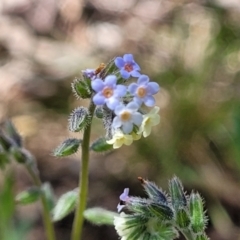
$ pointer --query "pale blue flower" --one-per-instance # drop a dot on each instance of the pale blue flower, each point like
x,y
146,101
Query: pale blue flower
x,y
143,91
128,67
89,73
123,197
107,91
126,117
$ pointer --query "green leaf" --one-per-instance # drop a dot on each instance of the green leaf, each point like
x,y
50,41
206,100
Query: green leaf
x,y
79,119
65,205
100,145
68,147
100,216
29,196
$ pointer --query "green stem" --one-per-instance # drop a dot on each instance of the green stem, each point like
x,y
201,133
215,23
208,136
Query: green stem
x,y
83,181
46,214
188,235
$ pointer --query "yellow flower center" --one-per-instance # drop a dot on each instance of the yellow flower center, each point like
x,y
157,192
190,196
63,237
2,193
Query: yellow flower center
x,y
141,92
125,116
107,92
128,67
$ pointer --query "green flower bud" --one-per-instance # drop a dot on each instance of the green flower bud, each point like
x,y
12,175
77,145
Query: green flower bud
x,y
177,194
79,119
198,218
82,88
161,211
6,142
182,218
100,145
21,155
99,216
67,147
29,196
99,112
153,191
65,205
12,133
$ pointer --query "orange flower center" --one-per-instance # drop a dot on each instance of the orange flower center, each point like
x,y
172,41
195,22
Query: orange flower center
x,y
141,92
125,116
107,92
128,67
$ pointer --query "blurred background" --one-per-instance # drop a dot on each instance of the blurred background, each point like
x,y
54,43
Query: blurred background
x,y
191,48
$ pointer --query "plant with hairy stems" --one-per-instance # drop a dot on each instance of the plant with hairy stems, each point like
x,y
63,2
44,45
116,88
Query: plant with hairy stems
x,y
161,216
123,107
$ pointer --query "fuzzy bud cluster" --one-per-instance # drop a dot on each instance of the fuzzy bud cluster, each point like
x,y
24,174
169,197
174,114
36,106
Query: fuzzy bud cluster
x,y
161,216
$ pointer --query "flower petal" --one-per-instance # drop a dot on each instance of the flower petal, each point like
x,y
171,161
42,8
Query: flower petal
x,y
110,81
133,106
116,122
153,88
127,127
143,79
97,85
135,73
132,88
149,101
119,109
99,99
137,118
128,58
120,90
124,74
112,102
119,62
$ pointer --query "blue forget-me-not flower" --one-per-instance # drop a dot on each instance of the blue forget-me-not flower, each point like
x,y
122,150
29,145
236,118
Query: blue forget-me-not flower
x,y
108,91
127,66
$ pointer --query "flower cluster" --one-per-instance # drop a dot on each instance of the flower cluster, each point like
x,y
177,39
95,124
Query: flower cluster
x,y
161,216
124,103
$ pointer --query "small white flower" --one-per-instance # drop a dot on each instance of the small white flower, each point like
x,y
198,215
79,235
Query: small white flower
x,y
149,120
119,139
126,117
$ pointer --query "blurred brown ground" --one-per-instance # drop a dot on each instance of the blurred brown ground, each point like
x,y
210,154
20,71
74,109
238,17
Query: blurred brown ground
x,y
191,48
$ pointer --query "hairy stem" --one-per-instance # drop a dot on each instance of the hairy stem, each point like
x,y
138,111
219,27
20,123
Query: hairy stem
x,y
187,234
83,180
46,214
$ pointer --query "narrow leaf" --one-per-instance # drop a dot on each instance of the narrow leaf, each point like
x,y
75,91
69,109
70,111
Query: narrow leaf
x,y
100,145
29,196
67,147
100,216
65,205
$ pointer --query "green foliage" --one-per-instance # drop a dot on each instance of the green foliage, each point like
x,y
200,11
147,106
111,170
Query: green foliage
x,y
8,230
180,212
28,196
65,205
99,216
49,195
67,147
100,145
